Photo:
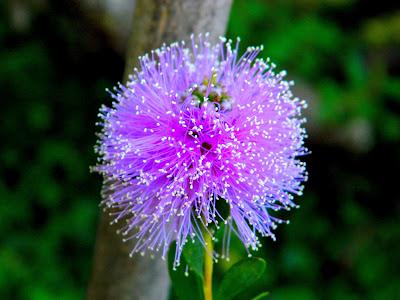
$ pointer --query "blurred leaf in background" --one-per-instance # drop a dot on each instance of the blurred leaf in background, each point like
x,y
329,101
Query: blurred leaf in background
x,y
54,70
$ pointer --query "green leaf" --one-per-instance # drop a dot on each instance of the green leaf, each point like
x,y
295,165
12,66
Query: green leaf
x,y
261,296
240,277
185,283
193,252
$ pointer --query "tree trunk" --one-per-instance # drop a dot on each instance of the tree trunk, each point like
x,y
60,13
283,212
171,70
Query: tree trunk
x,y
115,275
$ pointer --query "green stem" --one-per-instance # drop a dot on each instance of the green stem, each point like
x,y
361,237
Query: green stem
x,y
208,265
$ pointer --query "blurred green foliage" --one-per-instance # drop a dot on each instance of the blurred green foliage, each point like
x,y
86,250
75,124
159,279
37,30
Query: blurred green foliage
x,y
344,241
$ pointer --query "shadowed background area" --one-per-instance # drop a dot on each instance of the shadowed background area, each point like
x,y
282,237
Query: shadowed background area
x,y
57,58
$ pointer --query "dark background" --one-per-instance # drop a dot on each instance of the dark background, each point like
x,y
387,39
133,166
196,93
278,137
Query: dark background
x,y
56,59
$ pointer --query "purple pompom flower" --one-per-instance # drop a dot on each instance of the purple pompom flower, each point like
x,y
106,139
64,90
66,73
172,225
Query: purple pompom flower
x,y
194,128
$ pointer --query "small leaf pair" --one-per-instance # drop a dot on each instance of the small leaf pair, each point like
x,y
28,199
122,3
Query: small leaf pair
x,y
187,279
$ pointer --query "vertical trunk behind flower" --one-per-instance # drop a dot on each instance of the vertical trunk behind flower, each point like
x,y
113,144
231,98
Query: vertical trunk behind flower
x,y
115,275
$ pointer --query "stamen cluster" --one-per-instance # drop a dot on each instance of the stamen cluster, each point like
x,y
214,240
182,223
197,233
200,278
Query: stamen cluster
x,y
193,128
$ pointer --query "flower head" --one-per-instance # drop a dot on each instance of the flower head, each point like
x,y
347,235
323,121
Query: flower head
x,y
193,128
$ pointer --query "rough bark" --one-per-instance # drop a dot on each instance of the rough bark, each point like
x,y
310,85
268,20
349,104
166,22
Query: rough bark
x,y
164,21
115,275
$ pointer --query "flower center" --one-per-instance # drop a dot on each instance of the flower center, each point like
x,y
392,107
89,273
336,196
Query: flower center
x,y
213,92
